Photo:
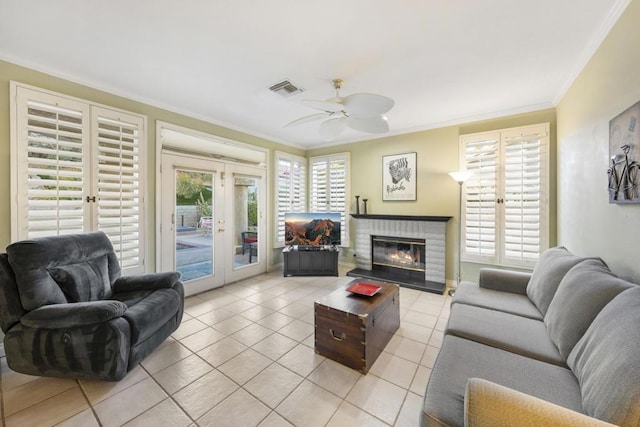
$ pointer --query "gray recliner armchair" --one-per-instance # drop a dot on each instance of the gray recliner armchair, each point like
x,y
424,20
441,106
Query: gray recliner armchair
x,y
66,312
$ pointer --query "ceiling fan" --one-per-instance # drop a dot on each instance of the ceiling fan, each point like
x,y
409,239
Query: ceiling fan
x,y
360,111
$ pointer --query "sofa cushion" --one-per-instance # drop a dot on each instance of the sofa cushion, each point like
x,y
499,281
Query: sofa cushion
x,y
521,305
582,293
150,313
520,335
460,359
553,264
606,361
83,281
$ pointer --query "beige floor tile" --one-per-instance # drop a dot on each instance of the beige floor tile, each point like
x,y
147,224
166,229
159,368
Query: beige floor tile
x,y
276,303
97,391
406,348
34,392
308,317
51,411
441,324
256,313
302,360
201,339
182,373
414,332
261,297
216,316
273,384
297,330
427,307
378,397
165,413
232,324
12,379
309,405
128,404
275,346
245,366
349,415
334,377
222,351
429,357
85,418
275,420
275,321
422,319
240,306
295,310
188,327
239,409
195,306
205,393
436,339
420,380
252,334
165,356
394,369
240,290
410,413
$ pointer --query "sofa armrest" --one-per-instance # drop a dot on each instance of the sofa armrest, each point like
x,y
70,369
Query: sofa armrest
x,y
489,404
57,316
146,282
504,280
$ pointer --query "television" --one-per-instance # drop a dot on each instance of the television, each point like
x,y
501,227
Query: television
x,y
312,228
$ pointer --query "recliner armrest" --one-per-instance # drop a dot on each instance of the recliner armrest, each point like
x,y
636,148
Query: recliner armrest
x,y
504,280
490,404
56,316
146,282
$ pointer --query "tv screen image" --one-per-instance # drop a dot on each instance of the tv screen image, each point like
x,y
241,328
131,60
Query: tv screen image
x,y
312,228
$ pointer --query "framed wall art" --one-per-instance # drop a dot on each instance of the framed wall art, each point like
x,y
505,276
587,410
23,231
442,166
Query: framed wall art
x,y
624,153
399,177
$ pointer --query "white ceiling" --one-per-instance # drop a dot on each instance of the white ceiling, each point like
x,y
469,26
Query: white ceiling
x,y
443,62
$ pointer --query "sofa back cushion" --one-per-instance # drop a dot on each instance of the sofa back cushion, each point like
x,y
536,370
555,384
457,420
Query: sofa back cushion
x,y
581,295
61,269
553,264
606,362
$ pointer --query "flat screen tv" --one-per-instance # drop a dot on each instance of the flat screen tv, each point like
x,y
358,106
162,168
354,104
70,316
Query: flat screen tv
x,y
312,229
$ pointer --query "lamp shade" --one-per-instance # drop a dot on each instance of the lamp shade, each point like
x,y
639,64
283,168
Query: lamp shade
x,y
461,176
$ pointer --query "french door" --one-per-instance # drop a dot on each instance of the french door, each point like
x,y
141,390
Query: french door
x,y
212,221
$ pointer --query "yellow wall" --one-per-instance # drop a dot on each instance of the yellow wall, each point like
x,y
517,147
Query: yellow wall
x,y
608,85
437,192
437,154
10,71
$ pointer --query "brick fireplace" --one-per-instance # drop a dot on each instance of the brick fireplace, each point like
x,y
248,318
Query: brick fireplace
x,y
408,250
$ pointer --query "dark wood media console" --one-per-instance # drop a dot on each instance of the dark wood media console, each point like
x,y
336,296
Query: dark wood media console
x,y
321,261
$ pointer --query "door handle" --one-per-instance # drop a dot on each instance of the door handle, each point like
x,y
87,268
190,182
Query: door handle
x,y
220,230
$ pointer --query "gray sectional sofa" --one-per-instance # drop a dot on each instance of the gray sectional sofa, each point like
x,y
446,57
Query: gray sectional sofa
x,y
559,346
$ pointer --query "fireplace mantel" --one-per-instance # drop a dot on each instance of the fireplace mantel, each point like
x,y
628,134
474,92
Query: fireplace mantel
x,y
405,217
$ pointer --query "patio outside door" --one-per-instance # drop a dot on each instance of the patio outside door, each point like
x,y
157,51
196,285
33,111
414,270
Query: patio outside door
x,y
211,221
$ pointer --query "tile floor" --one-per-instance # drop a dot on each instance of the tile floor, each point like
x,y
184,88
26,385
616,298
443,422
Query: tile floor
x,y
243,356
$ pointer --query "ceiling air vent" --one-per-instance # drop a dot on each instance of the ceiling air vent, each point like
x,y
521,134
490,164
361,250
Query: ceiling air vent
x,y
285,88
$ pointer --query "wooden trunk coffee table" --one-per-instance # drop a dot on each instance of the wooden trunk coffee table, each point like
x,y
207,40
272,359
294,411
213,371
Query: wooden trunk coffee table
x,y
354,329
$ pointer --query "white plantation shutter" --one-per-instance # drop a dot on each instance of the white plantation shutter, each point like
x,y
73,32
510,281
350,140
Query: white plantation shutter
x,y
53,174
329,177
505,209
76,168
480,210
291,189
118,194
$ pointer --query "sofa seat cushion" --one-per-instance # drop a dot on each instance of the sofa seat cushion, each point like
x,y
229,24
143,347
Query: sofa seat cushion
x,y
470,294
519,335
444,398
606,361
553,264
582,294
151,312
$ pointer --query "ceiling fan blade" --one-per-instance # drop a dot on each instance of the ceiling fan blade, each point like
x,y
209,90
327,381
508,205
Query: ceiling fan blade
x,y
367,104
330,106
307,119
369,124
330,129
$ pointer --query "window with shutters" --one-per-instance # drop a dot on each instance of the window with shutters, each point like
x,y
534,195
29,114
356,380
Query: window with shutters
x,y
505,203
328,181
291,189
76,167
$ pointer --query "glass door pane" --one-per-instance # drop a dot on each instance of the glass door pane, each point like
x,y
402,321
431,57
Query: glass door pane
x,y
194,225
246,237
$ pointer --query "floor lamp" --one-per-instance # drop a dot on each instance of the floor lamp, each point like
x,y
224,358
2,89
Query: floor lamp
x,y
460,177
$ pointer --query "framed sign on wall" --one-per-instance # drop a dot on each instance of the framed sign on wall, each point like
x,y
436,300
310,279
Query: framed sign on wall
x,y
399,177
